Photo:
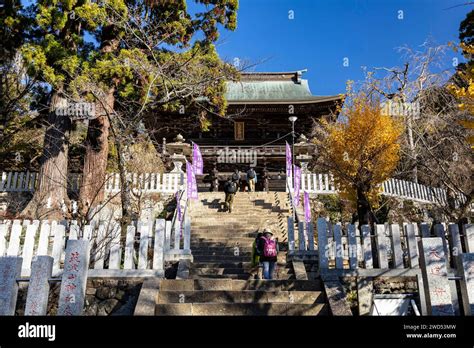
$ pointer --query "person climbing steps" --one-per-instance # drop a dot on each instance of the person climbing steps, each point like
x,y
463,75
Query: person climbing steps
x,y
267,247
230,188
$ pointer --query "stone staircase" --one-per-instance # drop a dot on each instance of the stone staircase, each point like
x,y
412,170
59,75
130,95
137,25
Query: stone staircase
x,y
222,280
221,242
211,297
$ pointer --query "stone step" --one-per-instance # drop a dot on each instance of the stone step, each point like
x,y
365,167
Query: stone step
x,y
246,296
227,229
231,218
228,285
255,204
281,265
238,202
220,258
232,249
241,276
224,234
237,211
249,232
238,217
228,243
239,196
260,309
204,252
223,240
241,229
217,271
244,227
244,265
241,223
248,207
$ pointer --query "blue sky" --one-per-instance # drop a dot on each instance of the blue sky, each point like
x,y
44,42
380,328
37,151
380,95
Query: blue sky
x,y
324,32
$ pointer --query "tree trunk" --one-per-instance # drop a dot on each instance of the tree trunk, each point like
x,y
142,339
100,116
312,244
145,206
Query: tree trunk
x,y
51,191
125,186
364,211
95,161
97,146
412,149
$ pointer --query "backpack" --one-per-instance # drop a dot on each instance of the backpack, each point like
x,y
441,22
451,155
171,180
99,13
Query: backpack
x,y
269,247
232,188
251,173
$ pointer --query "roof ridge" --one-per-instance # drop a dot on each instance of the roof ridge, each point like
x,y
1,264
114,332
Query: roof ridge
x,y
273,72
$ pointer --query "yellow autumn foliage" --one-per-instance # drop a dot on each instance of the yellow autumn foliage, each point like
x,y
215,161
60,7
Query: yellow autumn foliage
x,y
363,150
465,94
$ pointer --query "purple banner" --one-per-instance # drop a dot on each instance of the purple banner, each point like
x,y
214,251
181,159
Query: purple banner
x,y
288,160
198,164
178,206
297,185
307,207
191,181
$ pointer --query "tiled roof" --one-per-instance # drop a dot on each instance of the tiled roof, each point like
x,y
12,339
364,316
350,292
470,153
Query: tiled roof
x,y
276,87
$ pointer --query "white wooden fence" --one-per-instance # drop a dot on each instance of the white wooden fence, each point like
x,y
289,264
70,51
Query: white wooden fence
x,y
324,184
392,251
147,182
141,252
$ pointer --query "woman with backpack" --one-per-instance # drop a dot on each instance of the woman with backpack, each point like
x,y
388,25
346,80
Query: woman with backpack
x,y
230,188
251,179
267,247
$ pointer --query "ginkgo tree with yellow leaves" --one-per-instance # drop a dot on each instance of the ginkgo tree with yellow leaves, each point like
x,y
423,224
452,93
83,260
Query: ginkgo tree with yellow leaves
x,y
464,91
361,151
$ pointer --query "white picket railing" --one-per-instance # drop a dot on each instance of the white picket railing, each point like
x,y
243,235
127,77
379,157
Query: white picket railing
x,y
346,246
324,184
147,182
145,247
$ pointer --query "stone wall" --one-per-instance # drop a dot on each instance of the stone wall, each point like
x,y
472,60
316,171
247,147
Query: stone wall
x,y
381,285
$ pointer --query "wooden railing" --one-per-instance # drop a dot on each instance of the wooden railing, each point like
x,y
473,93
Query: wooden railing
x,y
145,245
181,229
324,184
147,182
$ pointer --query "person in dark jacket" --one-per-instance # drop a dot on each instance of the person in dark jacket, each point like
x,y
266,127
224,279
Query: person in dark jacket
x,y
251,179
268,262
236,177
230,188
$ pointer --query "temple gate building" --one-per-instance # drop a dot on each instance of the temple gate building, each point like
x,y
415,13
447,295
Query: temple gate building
x,y
253,131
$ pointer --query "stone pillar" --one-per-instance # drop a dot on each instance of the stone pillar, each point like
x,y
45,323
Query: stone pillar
x,y
466,269
10,270
74,279
437,290
365,289
38,288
